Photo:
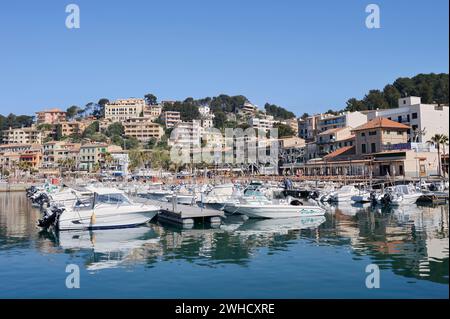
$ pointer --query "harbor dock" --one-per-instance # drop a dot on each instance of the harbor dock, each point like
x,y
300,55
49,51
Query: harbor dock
x,y
184,215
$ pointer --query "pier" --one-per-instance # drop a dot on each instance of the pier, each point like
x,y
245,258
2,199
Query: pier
x,y
186,215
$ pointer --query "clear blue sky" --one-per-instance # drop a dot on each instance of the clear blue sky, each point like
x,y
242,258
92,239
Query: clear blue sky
x,y
307,56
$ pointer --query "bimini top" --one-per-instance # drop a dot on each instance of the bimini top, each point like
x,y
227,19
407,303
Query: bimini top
x,y
104,190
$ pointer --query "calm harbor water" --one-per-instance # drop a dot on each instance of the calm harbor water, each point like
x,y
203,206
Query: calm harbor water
x,y
301,258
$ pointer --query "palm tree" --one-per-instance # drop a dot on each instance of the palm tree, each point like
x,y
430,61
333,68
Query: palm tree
x,y
437,140
444,141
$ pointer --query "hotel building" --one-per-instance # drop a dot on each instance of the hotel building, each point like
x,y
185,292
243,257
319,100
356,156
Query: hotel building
x,y
123,109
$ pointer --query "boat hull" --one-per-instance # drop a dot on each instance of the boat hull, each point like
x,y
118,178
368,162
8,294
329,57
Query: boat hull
x,y
278,211
101,219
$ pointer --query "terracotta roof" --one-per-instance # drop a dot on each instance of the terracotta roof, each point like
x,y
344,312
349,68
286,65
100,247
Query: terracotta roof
x,y
339,152
381,122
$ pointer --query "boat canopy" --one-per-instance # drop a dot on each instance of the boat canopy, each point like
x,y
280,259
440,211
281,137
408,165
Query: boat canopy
x,y
104,190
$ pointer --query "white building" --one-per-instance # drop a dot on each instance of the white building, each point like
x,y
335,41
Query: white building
x,y
204,110
425,120
171,118
261,123
186,134
330,121
123,109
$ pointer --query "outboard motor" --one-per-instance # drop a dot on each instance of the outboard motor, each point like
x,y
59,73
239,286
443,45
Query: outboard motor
x,y
373,198
51,217
386,199
313,195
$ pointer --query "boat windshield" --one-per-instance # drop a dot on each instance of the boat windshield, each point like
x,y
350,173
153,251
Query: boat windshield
x,y
114,199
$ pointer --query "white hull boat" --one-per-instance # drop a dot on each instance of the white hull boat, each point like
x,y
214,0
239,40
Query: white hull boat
x,y
107,209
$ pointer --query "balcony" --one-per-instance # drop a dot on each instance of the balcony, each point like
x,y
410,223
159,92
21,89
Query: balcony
x,y
417,147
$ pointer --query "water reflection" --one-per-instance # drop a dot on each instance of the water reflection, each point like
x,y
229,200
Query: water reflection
x,y
411,241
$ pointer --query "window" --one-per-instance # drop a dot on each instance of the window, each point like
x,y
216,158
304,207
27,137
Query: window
x,y
399,119
372,133
399,133
407,118
363,134
414,115
363,148
373,148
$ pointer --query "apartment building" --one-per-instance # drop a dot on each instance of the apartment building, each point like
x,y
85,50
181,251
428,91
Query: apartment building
x,y
249,109
52,116
143,129
24,135
329,121
333,139
425,120
72,127
293,124
94,154
204,110
207,122
186,134
171,118
123,109
33,157
11,155
265,123
153,111
307,127
56,152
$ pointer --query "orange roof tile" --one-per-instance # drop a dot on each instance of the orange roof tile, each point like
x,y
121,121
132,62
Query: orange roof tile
x,y
338,152
381,122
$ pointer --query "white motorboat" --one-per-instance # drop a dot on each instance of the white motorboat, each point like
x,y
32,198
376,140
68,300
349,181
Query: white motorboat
x,y
403,194
363,197
107,208
344,194
275,208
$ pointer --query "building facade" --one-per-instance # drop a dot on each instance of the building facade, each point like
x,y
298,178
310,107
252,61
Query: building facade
x,y
425,120
123,109
25,135
171,118
52,116
143,129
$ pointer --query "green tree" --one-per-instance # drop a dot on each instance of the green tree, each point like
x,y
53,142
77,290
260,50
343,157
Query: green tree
x,y
391,95
284,130
374,100
72,111
220,119
278,112
99,108
92,129
115,129
58,132
151,99
304,116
